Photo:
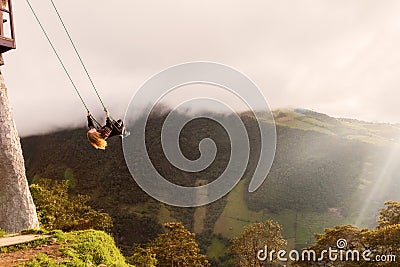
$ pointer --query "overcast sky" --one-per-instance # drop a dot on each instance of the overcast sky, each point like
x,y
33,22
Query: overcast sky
x,y
337,57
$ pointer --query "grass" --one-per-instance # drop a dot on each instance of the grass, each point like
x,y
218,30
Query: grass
x,y
2,233
216,249
316,222
315,122
301,229
236,214
377,134
286,219
376,140
303,124
83,248
298,229
34,232
41,260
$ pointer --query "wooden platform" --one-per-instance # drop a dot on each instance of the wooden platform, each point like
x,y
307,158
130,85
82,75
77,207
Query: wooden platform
x,y
19,239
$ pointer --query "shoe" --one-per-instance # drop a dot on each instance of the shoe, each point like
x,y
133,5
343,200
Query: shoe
x,y
125,133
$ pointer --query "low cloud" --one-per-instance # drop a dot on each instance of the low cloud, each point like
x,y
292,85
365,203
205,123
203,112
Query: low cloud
x,y
336,57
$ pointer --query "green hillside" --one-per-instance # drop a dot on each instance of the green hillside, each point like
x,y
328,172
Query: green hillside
x,y
326,172
374,133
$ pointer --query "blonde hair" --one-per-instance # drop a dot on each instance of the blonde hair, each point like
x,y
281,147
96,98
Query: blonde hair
x,y
96,140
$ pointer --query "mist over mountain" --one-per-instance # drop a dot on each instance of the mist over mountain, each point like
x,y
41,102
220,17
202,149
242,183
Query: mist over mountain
x,y
327,171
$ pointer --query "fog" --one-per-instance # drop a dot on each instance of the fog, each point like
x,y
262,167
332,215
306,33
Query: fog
x,y
335,57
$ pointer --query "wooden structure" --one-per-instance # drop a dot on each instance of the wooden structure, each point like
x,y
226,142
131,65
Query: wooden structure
x,y
7,38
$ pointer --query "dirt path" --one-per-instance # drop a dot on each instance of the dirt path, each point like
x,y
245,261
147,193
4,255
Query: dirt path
x,y
200,212
18,257
15,258
19,239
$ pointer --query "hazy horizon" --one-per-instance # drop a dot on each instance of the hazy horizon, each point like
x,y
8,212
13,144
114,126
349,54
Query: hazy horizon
x,y
101,119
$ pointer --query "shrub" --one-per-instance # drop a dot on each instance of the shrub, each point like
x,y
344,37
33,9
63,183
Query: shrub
x,y
58,210
142,257
83,248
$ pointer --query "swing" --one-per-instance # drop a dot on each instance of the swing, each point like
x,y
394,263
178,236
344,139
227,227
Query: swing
x,y
117,127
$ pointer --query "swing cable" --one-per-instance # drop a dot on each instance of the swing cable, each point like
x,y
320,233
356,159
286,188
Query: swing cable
x,y
78,55
60,61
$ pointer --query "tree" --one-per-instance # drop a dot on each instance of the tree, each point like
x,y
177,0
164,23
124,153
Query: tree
x,y
17,210
382,240
254,238
142,257
385,241
177,247
390,215
348,237
385,238
58,210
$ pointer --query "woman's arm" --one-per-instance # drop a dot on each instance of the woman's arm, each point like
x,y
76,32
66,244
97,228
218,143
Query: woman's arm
x,y
90,121
108,120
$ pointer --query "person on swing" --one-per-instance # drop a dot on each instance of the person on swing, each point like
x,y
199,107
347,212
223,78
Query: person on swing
x,y
98,136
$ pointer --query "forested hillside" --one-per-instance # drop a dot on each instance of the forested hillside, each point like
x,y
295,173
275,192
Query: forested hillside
x,y
326,171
